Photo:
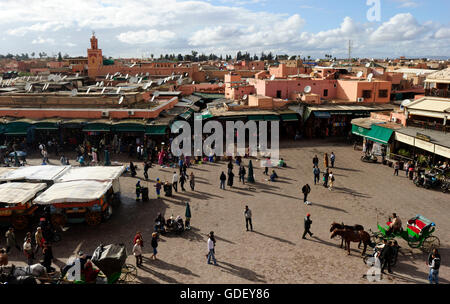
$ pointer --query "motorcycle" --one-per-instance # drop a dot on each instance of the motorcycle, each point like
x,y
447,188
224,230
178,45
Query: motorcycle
x,y
428,181
369,158
445,187
176,226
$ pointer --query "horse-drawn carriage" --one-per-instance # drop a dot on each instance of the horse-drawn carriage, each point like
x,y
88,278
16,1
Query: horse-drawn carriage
x,y
78,201
16,207
109,259
418,233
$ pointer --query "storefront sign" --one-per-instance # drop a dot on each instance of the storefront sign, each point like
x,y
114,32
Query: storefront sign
x,y
404,138
442,151
423,137
427,146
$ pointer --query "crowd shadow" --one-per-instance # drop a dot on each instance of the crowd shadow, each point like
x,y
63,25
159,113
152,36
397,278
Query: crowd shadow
x,y
328,207
193,235
241,272
274,238
166,266
159,275
351,192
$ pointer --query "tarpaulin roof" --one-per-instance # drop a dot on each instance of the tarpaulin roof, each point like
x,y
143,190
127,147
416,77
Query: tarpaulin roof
x,y
74,192
99,173
40,173
15,193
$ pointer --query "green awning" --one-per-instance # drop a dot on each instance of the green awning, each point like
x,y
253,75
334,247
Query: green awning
x,y
129,127
232,118
357,130
375,133
2,129
17,128
256,117
380,134
156,130
97,127
206,116
186,115
46,125
271,117
289,117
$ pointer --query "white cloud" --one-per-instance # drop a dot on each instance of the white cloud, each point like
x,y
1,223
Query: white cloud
x,y
176,26
399,28
41,40
407,3
443,33
142,37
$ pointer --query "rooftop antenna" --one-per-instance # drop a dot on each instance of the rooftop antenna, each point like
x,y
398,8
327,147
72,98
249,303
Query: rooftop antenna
x,y
307,89
350,47
370,77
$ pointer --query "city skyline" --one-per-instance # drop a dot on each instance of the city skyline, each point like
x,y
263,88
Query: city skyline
x,y
405,28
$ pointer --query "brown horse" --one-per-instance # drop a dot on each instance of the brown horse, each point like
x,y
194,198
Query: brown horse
x,y
352,236
335,225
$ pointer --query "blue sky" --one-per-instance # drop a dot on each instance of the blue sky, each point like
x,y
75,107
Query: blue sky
x,y
135,28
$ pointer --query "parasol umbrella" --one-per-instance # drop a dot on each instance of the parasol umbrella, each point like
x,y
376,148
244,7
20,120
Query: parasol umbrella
x,y
107,160
18,154
250,177
188,210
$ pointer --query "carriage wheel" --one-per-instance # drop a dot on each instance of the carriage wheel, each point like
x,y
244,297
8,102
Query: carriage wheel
x,y
414,244
20,222
107,213
128,274
93,218
430,243
58,220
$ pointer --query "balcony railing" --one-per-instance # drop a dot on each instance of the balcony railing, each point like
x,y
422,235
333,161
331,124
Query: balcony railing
x,y
437,93
428,125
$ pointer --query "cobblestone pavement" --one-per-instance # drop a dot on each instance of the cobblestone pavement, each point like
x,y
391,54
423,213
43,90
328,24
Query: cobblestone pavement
x,y
274,252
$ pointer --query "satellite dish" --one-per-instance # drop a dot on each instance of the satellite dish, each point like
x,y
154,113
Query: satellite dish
x,y
180,64
317,60
107,76
118,90
103,90
220,84
88,90
74,92
120,99
160,81
307,89
405,103
272,77
332,65
245,97
101,84
368,65
156,93
27,86
193,82
126,77
147,74
359,74
29,89
370,77
97,84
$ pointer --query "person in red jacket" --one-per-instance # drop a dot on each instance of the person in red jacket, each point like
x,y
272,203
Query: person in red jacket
x,y
138,236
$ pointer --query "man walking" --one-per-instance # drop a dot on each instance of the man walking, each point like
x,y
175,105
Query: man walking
x,y
211,246
182,181
248,218
331,178
306,190
146,167
11,240
325,178
434,262
332,159
396,168
137,252
316,161
242,173
223,178
138,190
175,181
307,222
316,172
386,257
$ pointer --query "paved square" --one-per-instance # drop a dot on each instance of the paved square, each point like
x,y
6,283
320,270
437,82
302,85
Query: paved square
x,y
274,252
